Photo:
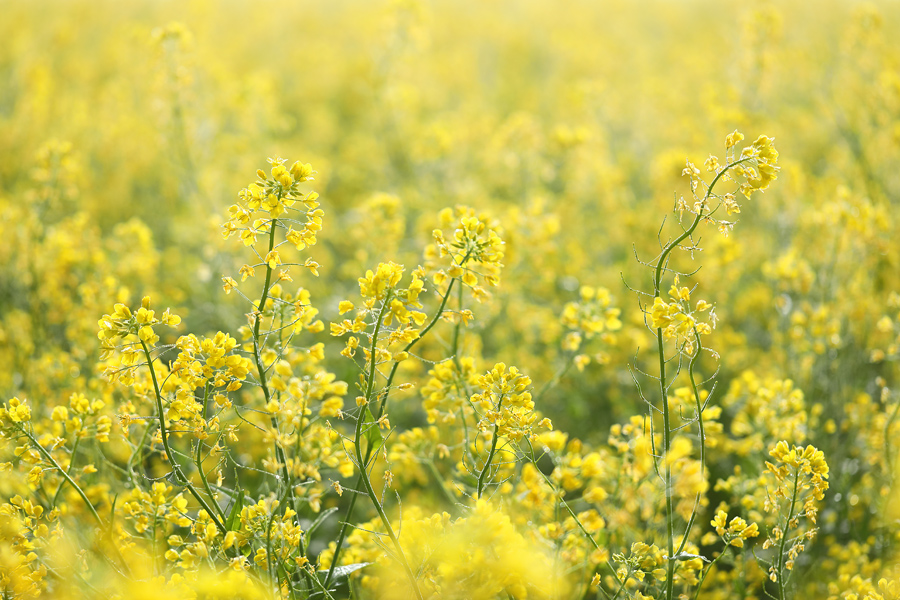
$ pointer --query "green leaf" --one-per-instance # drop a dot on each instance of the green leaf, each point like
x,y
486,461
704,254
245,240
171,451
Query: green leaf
x,y
340,582
233,522
325,514
112,512
346,570
373,432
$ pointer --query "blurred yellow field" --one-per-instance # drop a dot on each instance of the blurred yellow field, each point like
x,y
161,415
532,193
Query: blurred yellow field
x,y
449,299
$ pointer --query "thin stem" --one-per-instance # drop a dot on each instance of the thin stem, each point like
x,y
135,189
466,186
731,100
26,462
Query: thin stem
x,y
370,385
440,482
707,571
261,370
784,536
672,245
176,468
664,386
49,458
487,464
667,443
257,355
888,453
560,373
198,460
455,348
572,514
702,432
69,470
345,526
138,450
269,549
322,586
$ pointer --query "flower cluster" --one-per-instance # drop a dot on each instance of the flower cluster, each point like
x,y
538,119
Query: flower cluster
x,y
591,316
678,320
398,308
474,249
799,478
123,322
444,393
752,170
642,562
126,337
210,361
15,411
505,403
275,194
734,532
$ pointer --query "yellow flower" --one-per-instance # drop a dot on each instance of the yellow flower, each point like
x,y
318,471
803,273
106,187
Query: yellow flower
x,y
733,138
16,411
273,259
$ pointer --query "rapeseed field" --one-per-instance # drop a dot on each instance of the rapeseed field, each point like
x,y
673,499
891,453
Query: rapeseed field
x,y
449,299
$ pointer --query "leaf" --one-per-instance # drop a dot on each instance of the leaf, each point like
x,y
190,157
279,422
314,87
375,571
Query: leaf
x,y
325,514
346,570
233,522
340,582
112,512
686,556
373,432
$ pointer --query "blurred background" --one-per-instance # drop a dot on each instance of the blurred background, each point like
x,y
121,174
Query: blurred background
x,y
127,128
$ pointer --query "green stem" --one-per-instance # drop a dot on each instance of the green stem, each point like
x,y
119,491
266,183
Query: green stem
x,y
322,586
261,370
176,468
784,535
363,463
49,458
707,571
269,548
667,443
621,587
68,471
440,482
699,405
138,450
560,373
257,355
888,453
572,514
345,526
198,460
455,348
487,464
663,385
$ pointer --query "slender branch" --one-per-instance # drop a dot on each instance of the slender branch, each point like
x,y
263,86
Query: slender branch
x,y
198,460
664,386
572,514
261,371
784,535
49,458
364,476
345,524
68,471
487,463
707,571
176,468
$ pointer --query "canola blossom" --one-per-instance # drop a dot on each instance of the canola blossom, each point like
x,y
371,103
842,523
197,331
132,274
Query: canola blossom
x,y
531,300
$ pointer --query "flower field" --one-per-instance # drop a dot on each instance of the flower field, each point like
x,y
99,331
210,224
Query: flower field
x,y
449,299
